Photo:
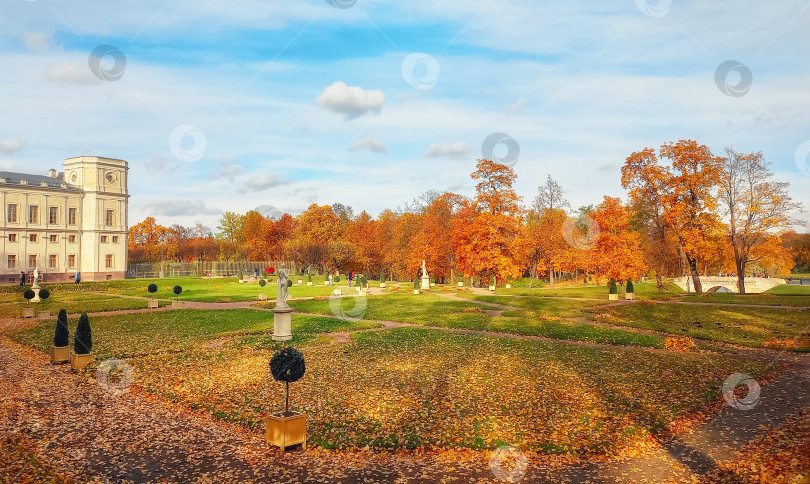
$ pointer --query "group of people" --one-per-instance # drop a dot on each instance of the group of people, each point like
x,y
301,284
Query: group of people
x,y
35,277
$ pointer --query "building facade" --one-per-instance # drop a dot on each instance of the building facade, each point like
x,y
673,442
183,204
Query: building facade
x,y
64,223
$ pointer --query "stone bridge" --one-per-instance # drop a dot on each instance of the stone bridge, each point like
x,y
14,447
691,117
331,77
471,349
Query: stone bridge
x,y
711,284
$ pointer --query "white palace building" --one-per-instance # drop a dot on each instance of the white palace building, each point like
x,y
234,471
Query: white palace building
x,y
66,222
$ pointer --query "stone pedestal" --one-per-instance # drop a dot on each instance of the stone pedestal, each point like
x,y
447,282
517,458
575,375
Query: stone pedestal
x,y
35,288
425,282
282,324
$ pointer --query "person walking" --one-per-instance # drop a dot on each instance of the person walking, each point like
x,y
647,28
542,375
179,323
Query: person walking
x,y
22,278
78,277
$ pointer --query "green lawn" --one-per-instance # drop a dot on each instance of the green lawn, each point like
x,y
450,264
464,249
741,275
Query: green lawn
x,y
745,326
12,304
643,291
222,289
411,387
151,333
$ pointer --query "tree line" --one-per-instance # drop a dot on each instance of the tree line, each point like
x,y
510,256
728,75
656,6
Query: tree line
x,y
688,212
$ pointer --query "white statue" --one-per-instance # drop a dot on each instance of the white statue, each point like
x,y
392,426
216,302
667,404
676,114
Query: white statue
x,y
36,275
281,292
424,269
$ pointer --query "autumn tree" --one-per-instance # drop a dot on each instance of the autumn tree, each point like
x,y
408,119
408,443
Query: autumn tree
x,y
684,191
617,252
148,241
757,209
229,236
486,228
432,242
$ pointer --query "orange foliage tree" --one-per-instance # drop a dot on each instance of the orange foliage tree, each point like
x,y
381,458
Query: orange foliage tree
x,y
617,252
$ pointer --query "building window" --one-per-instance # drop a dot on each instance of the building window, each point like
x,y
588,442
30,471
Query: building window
x,y
53,238
72,239
33,237
32,261
71,216
53,215
52,261
109,261
103,239
115,239
12,237
72,260
12,262
33,214
110,218
12,213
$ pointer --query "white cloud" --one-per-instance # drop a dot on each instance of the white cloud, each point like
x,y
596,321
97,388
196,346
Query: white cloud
x,y
371,144
37,41
179,208
447,149
72,72
353,101
227,170
9,146
263,181
6,165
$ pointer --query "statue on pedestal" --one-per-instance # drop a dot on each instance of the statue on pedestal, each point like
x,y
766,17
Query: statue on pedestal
x,y
425,277
281,292
36,275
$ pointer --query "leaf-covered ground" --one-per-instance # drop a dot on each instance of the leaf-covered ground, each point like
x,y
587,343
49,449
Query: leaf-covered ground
x,y
411,387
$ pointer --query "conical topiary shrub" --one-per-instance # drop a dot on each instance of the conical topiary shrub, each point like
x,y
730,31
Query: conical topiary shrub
x,y
83,340
61,337
613,288
629,288
287,366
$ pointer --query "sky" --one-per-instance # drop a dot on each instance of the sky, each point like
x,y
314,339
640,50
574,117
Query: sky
x,y
228,106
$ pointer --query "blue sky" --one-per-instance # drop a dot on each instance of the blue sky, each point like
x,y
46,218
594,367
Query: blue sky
x,y
228,106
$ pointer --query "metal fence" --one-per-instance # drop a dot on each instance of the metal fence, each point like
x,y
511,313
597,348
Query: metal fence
x,y
203,269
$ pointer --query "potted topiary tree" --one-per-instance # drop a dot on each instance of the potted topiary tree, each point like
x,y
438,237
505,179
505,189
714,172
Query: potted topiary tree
x,y
337,291
177,304
287,428
82,344
309,278
363,284
614,291
262,295
29,311
508,284
382,281
153,303
629,291
416,285
60,351
44,313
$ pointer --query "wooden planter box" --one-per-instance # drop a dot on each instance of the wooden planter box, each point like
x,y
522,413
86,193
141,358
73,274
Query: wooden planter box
x,y
460,284
382,285
309,283
43,315
492,288
337,292
60,354
300,282
416,291
286,431
28,312
177,304
77,362
153,304
508,286
630,296
262,296
357,289
613,297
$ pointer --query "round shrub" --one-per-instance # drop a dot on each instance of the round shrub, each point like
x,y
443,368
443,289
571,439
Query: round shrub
x,y
61,337
83,341
29,294
44,294
177,290
262,282
630,288
152,288
289,282
613,288
287,366
336,279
